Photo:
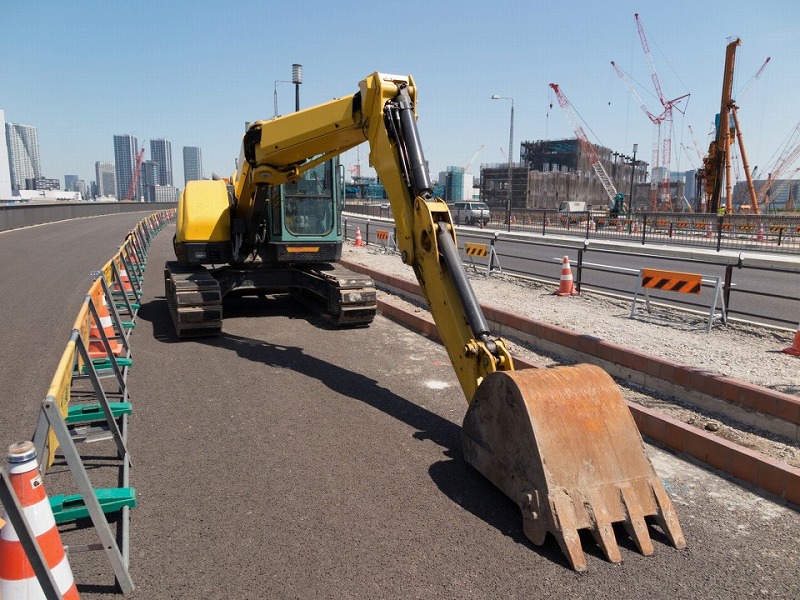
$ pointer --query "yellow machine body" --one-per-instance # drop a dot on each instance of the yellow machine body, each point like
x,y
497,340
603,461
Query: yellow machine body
x,y
204,212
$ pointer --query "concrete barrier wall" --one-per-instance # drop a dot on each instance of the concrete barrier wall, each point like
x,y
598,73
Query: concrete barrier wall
x,y
24,215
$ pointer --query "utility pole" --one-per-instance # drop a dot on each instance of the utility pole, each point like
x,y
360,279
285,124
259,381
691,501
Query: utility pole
x,y
633,176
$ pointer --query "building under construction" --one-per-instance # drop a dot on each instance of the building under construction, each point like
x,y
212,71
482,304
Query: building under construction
x,y
554,171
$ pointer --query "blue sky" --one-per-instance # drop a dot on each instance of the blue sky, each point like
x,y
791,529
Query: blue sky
x,y
193,73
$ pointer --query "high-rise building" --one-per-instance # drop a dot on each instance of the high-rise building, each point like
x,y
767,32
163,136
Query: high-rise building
x,y
192,163
5,169
150,179
126,148
106,179
164,193
161,154
69,182
23,154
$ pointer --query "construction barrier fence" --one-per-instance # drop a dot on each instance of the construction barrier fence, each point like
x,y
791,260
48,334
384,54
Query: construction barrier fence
x,y
88,401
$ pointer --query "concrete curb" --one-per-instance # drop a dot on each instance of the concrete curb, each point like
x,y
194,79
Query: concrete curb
x,y
746,465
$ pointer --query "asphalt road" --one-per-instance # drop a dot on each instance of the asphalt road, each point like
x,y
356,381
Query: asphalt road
x,y
288,459
44,276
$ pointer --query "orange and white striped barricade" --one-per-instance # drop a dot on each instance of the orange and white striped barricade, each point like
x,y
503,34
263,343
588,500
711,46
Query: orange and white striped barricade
x,y
487,251
53,432
33,562
387,240
106,337
681,283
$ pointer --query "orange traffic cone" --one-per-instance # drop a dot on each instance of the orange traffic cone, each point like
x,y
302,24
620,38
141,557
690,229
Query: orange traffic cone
x,y
619,225
359,240
96,347
794,349
17,579
123,276
566,286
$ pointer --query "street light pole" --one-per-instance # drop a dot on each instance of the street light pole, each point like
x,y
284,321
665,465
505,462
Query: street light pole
x,y
633,176
510,158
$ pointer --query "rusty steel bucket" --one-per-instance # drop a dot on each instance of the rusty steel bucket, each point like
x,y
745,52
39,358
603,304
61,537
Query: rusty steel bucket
x,y
563,445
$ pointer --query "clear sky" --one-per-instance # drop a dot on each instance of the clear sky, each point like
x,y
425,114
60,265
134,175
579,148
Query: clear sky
x,y
194,72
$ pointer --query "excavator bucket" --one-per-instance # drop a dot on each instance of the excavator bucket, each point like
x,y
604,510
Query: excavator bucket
x,y
562,443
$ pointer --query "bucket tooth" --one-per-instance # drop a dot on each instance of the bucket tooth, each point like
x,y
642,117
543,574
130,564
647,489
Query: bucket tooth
x,y
603,530
667,518
566,532
635,524
562,443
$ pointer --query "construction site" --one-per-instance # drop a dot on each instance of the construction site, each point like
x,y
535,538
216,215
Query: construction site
x,y
550,172
574,376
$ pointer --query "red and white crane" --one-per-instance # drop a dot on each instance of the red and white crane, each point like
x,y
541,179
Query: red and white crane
x,y
136,171
588,148
662,126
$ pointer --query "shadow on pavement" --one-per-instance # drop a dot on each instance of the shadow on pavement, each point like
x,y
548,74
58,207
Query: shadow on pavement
x,y
454,477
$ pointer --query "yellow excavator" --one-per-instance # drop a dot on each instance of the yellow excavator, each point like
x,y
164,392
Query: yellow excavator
x,y
560,442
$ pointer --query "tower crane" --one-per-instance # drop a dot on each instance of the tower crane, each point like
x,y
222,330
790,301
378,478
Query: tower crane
x,y
788,157
136,171
472,158
665,125
656,121
615,198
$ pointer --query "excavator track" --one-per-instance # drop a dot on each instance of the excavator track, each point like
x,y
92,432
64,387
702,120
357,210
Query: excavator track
x,y
194,299
344,298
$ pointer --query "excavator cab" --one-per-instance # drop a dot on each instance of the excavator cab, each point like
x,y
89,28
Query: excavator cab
x,y
309,205
302,221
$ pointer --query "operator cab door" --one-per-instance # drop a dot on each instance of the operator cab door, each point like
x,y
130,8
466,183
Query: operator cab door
x,y
306,217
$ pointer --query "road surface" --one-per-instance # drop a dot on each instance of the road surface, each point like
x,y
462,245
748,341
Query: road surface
x,y
288,459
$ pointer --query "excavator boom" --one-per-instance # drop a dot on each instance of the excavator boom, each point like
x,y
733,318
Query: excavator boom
x,y
560,442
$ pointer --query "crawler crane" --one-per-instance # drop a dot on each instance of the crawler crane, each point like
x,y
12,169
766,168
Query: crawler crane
x,y
560,442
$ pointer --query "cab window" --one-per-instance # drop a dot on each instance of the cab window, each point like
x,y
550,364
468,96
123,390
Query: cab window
x,y
308,202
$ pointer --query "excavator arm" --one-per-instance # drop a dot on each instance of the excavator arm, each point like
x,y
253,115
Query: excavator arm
x,y
383,114
559,442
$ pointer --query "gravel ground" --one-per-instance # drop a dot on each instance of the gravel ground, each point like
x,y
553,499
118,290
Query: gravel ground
x,y
747,352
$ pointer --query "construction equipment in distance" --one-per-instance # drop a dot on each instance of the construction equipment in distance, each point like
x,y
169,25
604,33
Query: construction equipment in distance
x,y
616,200
560,442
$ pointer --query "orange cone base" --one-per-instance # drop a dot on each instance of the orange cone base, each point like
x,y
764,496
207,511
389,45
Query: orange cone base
x,y
794,349
568,292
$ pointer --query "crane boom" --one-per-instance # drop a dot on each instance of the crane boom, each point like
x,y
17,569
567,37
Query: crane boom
x,y
588,148
665,125
136,171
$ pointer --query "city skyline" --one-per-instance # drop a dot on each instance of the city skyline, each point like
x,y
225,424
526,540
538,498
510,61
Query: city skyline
x,y
172,89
